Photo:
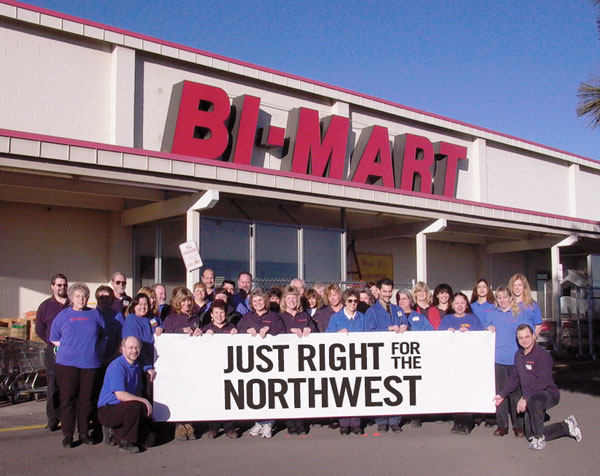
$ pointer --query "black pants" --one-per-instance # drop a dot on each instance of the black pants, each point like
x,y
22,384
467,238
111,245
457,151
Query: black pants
x,y
79,391
53,395
128,421
509,404
537,404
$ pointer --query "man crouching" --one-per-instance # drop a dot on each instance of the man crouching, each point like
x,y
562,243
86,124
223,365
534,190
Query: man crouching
x,y
120,406
533,373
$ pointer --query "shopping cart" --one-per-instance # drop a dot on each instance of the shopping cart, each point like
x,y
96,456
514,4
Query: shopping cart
x,y
21,368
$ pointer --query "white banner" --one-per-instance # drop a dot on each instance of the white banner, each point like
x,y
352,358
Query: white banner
x,y
240,377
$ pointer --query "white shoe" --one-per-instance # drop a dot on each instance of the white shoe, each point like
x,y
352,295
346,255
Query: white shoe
x,y
266,430
574,430
256,430
538,443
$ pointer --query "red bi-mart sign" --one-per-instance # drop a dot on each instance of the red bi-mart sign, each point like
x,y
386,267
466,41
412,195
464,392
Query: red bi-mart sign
x,y
202,123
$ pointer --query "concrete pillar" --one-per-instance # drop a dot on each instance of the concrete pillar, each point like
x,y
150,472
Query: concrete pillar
x,y
478,163
122,96
192,227
421,239
572,187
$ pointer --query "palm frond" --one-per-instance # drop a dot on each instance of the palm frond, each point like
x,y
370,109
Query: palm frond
x,y
589,101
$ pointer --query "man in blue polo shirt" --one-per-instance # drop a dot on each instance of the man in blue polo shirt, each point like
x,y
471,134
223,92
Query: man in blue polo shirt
x,y
120,406
383,316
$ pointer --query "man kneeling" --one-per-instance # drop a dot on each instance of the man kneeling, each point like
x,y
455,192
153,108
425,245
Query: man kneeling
x,y
533,372
120,406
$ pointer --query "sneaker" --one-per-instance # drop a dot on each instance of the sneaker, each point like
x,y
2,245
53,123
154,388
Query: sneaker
x,y
128,448
463,430
574,430
191,433
396,428
232,434
538,443
382,428
416,424
256,430
357,430
344,430
67,442
211,434
181,433
266,430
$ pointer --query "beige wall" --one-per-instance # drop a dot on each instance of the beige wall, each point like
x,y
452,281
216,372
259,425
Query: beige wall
x,y
39,241
51,84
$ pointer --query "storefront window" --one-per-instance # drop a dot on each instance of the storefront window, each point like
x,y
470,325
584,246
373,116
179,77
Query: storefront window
x,y
173,272
224,247
322,255
144,238
276,251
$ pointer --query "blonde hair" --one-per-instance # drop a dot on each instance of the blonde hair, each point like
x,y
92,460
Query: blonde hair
x,y
421,286
286,292
183,294
514,307
527,299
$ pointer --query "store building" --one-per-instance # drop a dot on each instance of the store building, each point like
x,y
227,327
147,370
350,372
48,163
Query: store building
x,y
116,147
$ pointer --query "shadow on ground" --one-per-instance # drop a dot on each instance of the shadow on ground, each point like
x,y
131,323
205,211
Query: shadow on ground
x,y
581,377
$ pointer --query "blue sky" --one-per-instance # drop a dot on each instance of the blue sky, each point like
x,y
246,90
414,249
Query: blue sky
x,y
510,66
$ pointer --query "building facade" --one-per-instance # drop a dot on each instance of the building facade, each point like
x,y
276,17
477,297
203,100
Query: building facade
x,y
115,148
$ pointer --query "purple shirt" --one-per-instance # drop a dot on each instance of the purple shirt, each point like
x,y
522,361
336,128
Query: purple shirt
x,y
121,304
226,329
533,372
175,323
322,316
46,313
251,320
299,321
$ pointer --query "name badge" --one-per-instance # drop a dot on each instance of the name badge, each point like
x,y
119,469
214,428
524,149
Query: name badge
x,y
415,318
528,366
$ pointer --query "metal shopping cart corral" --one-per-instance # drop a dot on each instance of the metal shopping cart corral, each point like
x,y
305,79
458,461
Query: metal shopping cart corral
x,y
21,368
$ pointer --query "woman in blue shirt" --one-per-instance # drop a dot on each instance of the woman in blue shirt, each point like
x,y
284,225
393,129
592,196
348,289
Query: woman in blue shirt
x,y
482,301
142,324
521,291
504,321
78,334
461,319
348,319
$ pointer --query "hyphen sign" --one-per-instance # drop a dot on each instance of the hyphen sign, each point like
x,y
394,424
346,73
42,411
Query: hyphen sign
x,y
202,123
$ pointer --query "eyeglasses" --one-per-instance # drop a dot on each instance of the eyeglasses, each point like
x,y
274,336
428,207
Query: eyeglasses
x,y
120,282
351,300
